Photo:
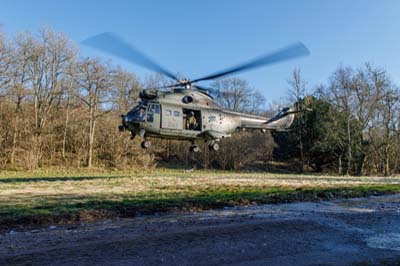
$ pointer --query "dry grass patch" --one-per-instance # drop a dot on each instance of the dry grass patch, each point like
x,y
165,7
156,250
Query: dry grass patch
x,y
60,193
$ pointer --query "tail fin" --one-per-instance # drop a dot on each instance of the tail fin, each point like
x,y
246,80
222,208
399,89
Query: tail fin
x,y
283,120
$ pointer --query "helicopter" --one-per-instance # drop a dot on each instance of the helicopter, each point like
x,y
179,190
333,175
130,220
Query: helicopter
x,y
187,111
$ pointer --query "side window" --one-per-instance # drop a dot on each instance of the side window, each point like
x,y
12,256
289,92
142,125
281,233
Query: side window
x,y
168,112
177,113
157,108
150,115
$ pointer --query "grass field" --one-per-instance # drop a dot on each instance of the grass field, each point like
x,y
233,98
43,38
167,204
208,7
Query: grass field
x,y
61,196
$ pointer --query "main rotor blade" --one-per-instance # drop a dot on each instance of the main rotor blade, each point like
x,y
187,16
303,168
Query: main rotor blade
x,y
112,44
290,52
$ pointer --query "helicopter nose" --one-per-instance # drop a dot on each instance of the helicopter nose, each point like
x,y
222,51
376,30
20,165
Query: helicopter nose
x,y
128,122
126,119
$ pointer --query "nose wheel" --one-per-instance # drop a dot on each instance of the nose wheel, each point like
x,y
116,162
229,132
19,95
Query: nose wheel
x,y
145,144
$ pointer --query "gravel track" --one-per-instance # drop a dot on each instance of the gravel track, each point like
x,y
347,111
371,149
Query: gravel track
x,y
363,231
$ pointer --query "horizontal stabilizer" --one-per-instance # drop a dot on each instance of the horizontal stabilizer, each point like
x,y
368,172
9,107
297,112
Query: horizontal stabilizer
x,y
282,121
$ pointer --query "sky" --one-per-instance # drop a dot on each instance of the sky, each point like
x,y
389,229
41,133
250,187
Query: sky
x,y
195,38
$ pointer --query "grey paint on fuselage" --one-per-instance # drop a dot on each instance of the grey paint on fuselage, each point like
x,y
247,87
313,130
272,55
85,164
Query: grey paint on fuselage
x,y
215,123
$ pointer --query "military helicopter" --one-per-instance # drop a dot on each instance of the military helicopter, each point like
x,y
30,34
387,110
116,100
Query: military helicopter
x,y
187,111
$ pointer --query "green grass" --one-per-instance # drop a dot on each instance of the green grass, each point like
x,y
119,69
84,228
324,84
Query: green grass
x,y
62,196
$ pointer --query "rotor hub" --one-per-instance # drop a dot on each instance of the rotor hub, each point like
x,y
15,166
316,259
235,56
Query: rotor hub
x,y
186,83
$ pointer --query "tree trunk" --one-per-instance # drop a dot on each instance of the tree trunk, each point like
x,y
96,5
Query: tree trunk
x,y
65,127
301,149
340,164
14,144
349,151
92,124
387,161
15,133
36,151
362,168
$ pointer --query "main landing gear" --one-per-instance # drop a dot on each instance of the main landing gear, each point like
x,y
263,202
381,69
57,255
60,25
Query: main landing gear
x,y
145,144
213,146
194,148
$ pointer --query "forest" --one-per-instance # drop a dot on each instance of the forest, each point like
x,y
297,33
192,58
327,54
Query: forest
x,y
59,109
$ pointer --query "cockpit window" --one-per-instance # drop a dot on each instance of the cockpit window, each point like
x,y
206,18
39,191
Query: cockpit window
x,y
137,114
156,108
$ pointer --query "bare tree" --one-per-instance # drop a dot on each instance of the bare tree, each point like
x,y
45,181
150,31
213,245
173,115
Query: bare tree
x,y
233,94
67,85
257,103
49,58
5,58
93,82
383,127
297,95
340,93
18,89
390,107
125,90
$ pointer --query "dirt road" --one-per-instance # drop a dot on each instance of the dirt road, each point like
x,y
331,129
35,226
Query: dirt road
x,y
347,232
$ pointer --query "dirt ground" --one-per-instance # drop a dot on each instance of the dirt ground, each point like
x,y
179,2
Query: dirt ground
x,y
344,232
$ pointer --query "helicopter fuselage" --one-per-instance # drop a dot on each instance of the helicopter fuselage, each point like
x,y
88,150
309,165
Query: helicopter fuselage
x,y
166,115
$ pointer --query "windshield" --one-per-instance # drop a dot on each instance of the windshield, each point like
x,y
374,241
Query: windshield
x,y
137,114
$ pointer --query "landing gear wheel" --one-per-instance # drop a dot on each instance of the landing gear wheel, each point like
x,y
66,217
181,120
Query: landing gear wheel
x,y
194,148
145,144
213,147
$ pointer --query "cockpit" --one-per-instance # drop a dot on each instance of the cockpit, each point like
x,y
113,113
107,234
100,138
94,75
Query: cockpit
x,y
136,115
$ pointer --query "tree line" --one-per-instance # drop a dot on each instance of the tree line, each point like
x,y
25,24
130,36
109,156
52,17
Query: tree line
x,y
350,125
60,109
